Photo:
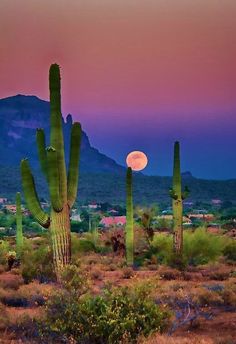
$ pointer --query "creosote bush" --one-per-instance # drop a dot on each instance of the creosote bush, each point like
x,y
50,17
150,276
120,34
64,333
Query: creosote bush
x,y
200,247
116,316
37,262
74,280
4,249
230,251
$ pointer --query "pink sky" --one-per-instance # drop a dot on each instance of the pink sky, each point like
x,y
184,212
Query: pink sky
x,y
122,59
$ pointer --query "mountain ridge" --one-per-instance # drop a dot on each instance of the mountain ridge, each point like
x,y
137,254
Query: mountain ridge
x,y
21,115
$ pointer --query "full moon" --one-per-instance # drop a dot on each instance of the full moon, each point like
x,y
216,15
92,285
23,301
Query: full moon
x,y
136,160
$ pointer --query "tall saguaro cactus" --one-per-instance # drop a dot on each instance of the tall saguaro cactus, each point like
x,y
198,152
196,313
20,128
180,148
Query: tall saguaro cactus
x,y
177,203
129,231
19,230
62,187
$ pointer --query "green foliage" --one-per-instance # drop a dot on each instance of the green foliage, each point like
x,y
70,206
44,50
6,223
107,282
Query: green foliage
x,y
230,251
200,247
162,246
111,188
118,316
37,262
4,249
81,244
73,279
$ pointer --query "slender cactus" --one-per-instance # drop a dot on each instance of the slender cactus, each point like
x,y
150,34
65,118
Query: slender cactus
x,y
129,231
177,204
19,230
62,188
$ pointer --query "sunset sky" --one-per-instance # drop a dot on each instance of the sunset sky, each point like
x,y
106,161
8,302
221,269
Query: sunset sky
x,y
138,74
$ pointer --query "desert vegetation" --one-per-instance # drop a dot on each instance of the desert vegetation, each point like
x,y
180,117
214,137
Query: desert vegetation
x,y
138,282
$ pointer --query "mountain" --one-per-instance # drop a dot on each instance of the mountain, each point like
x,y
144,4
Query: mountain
x,y
20,116
101,178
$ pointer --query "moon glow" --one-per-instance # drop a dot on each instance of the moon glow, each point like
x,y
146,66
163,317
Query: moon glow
x,y
136,160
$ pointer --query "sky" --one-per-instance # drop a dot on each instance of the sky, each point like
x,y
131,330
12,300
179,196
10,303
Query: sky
x,y
137,74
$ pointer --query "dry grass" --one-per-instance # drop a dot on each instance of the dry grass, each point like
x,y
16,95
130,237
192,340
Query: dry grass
x,y
9,280
163,339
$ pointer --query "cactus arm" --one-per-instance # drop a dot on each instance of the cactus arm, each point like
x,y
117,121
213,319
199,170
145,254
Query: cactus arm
x,y
53,179
129,219
19,231
31,196
73,172
56,135
41,144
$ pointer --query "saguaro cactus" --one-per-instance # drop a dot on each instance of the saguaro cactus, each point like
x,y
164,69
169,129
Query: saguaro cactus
x,y
19,230
62,187
129,231
177,203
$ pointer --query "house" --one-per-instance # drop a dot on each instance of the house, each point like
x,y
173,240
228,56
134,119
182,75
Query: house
x,y
113,221
94,206
113,212
186,220
203,217
11,208
76,217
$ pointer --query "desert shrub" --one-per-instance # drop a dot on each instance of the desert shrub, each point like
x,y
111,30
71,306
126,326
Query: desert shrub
x,y
10,281
74,279
162,246
37,263
97,274
206,297
3,317
33,295
201,247
114,240
112,267
81,245
119,315
230,251
4,249
228,294
219,275
127,273
169,274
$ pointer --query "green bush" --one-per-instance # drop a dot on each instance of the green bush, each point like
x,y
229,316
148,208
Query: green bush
x,y
162,246
200,247
81,245
4,249
37,263
73,279
118,316
230,251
